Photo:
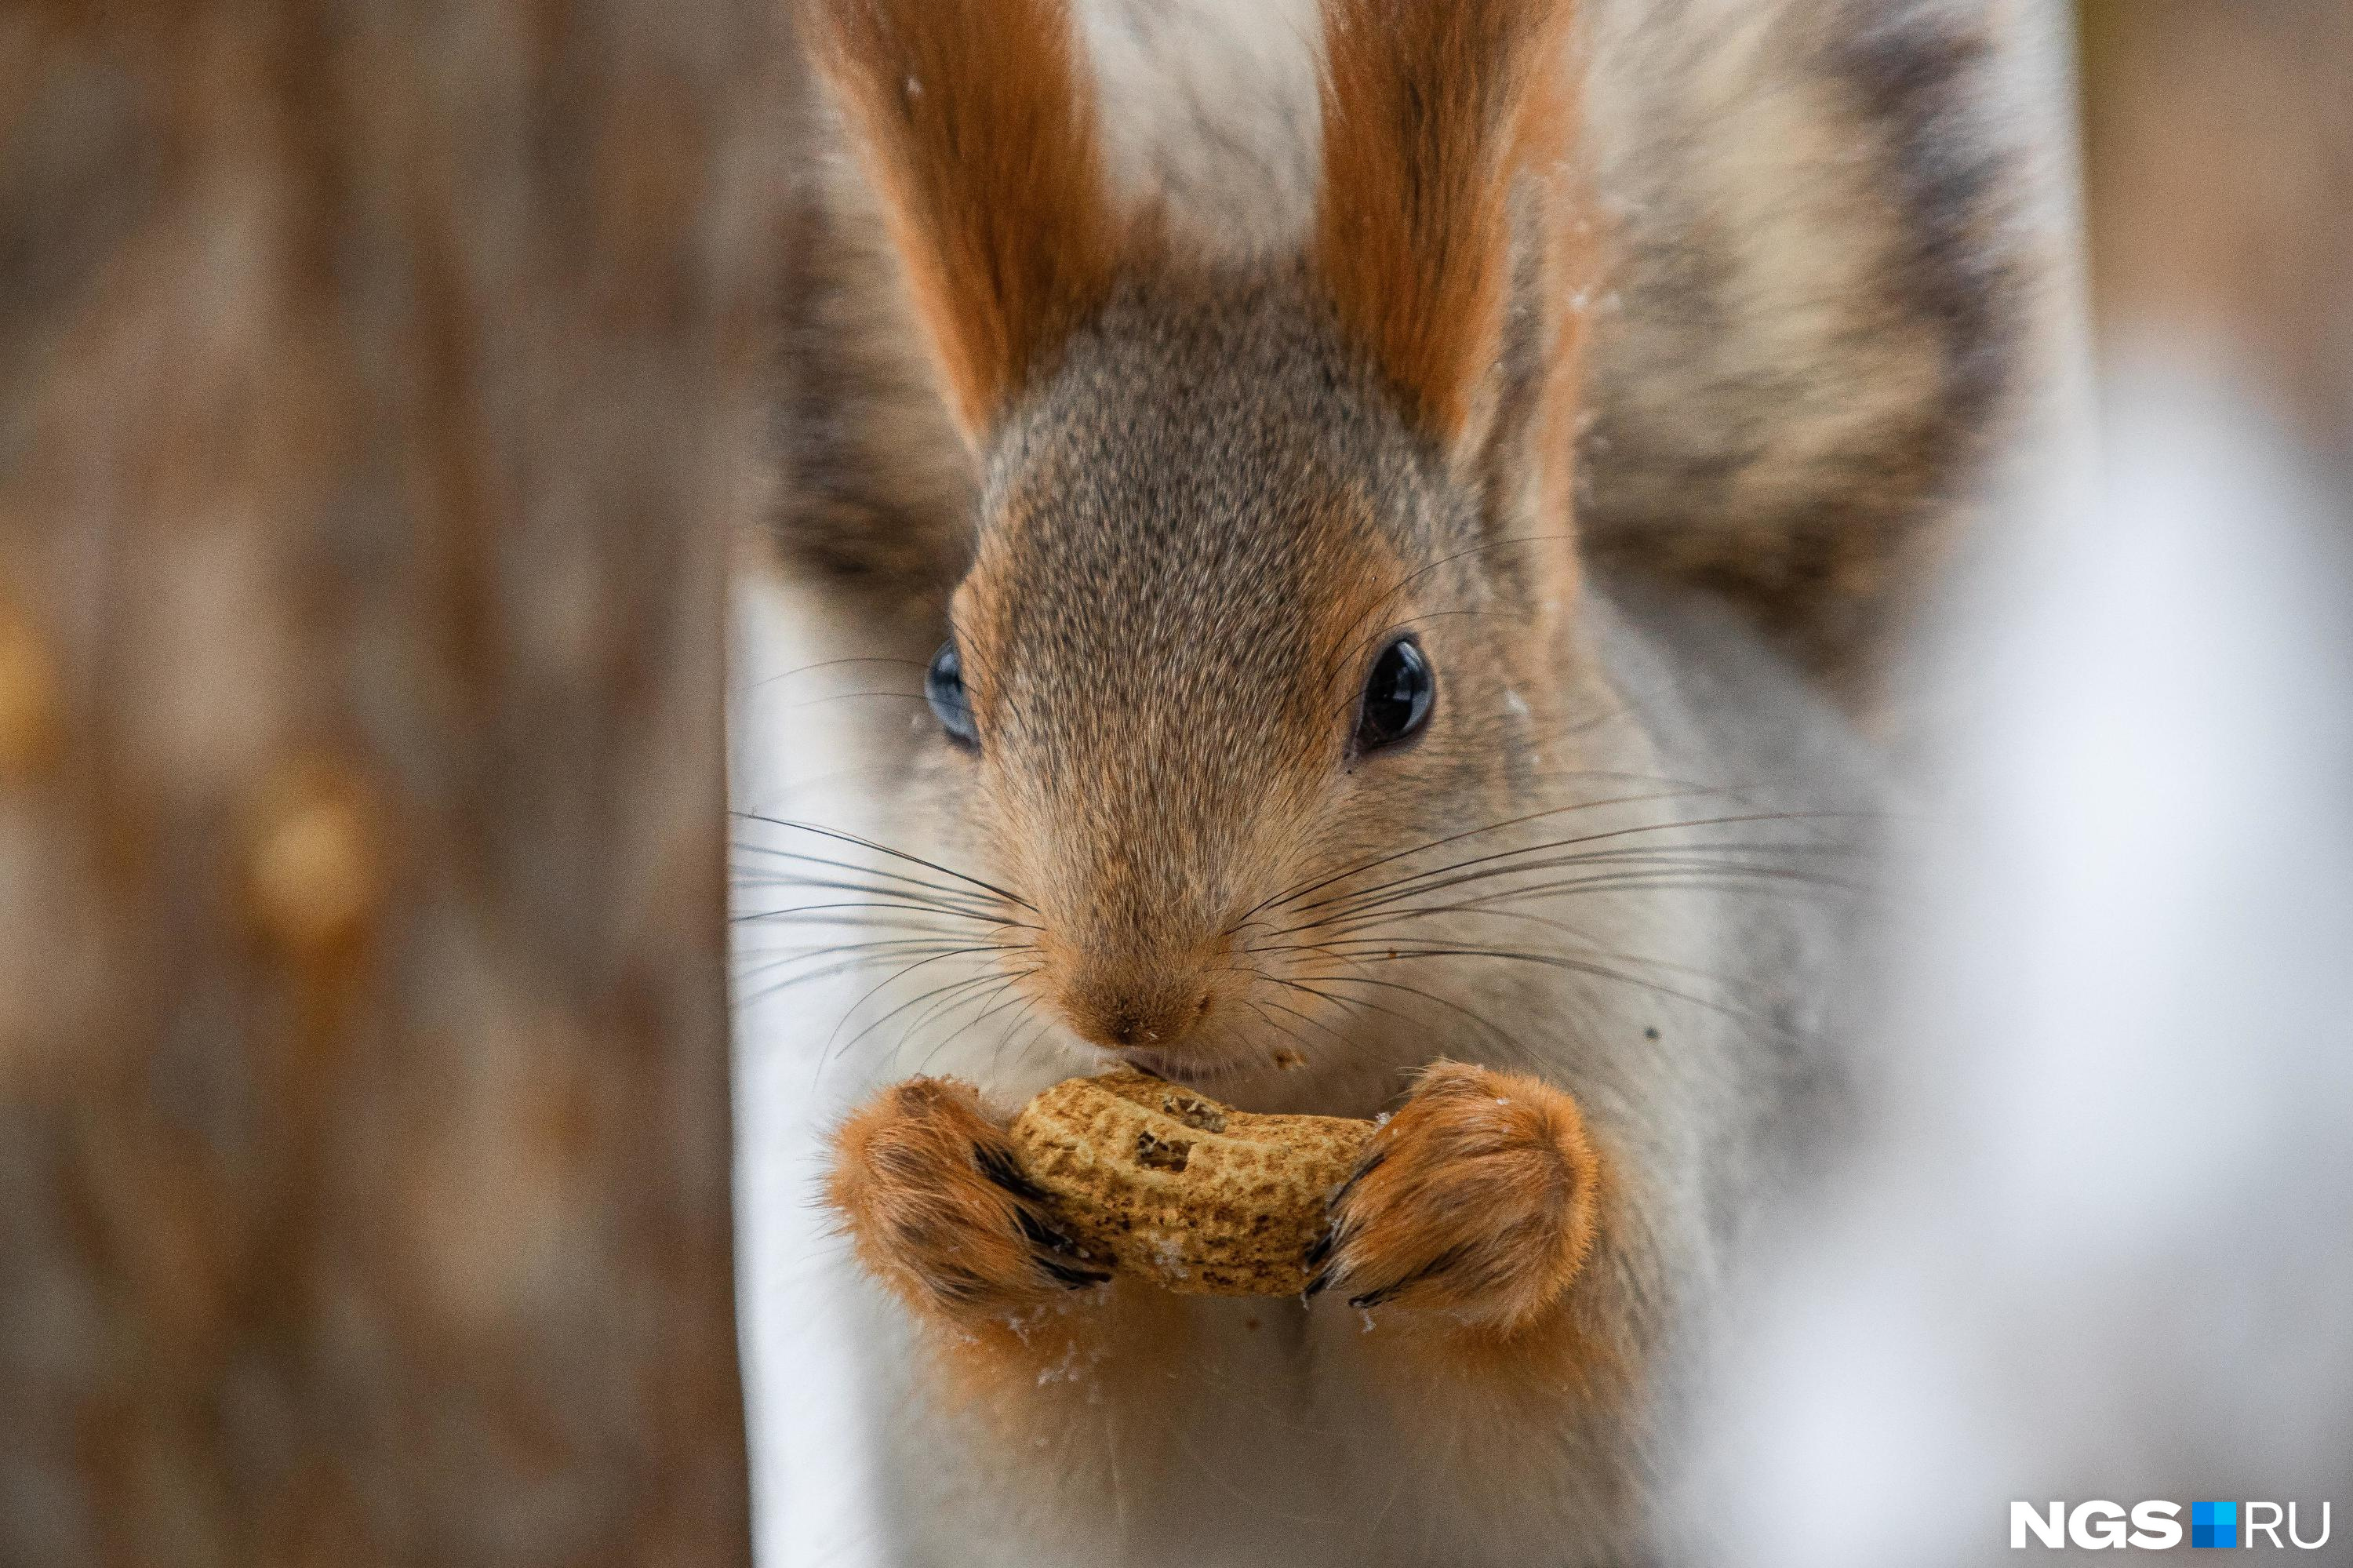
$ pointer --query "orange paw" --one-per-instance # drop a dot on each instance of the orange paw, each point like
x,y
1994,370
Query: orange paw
x,y
937,1208
1480,1197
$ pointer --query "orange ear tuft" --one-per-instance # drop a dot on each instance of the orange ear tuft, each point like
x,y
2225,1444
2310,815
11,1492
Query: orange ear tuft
x,y
1429,107
979,134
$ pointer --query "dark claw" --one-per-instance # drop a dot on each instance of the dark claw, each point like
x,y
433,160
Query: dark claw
x,y
1323,1247
999,1167
1439,1264
1316,1286
1370,1163
1041,1235
1075,1278
1044,1234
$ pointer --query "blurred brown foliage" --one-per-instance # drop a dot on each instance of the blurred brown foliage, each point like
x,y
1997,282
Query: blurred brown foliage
x,y
2219,190
372,390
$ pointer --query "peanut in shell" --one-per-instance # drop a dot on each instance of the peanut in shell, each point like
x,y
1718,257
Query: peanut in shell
x,y
1176,1188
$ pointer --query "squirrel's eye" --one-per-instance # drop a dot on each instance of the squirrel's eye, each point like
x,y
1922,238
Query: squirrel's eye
x,y
1397,696
944,689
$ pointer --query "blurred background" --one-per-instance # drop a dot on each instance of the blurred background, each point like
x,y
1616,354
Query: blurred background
x,y
2098,1244
372,381
378,419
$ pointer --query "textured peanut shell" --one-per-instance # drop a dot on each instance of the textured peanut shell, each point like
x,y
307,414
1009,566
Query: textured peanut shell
x,y
1176,1188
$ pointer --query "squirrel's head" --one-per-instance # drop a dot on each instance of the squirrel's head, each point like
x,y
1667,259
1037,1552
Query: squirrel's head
x,y
1272,576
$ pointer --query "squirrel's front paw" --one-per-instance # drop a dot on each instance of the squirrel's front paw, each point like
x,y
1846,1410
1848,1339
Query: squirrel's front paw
x,y
1481,1196
937,1208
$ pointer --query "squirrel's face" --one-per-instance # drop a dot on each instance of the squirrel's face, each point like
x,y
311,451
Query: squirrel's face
x,y
1232,628
1270,568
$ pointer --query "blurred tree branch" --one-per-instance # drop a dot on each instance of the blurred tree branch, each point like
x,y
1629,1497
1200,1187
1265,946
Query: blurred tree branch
x,y
372,390
2219,155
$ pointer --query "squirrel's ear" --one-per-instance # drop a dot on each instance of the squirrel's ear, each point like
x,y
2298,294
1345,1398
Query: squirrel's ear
x,y
978,133
1430,108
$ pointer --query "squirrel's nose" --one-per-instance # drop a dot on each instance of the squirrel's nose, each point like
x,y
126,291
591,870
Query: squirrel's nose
x,y
1128,1009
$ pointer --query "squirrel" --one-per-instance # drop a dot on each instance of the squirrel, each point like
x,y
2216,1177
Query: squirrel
x,y
1397,507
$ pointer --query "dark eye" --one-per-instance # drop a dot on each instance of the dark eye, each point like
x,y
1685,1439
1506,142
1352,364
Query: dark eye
x,y
944,689
1397,696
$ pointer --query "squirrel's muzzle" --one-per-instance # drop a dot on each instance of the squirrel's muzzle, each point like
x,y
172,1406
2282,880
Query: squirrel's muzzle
x,y
1122,1004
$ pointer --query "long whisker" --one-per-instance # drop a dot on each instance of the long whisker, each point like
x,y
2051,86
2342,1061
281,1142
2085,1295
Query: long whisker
x,y
804,952
1493,1032
824,971
863,917
1043,1027
846,696
1291,895
1021,1004
822,665
1288,1034
951,903
881,873
1357,897
1602,972
899,905
1561,927
1304,1018
849,1044
1329,659
1350,698
1661,869
894,978
1379,947
990,1005
946,1006
885,849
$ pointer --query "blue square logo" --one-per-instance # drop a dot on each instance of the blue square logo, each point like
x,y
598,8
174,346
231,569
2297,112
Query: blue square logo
x,y
2213,1524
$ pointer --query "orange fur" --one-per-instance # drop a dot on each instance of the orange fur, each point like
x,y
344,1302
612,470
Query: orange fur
x,y
1422,108
1480,1197
929,1190
1016,1348
1569,268
978,133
